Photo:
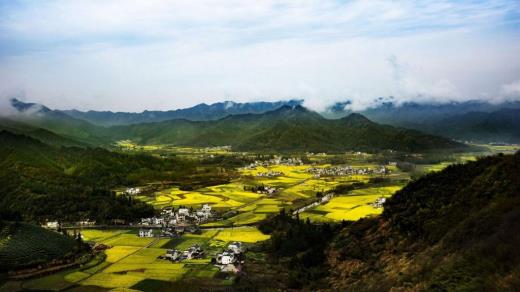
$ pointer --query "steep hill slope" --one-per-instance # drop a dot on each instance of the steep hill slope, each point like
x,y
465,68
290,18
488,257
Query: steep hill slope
x,y
455,230
285,129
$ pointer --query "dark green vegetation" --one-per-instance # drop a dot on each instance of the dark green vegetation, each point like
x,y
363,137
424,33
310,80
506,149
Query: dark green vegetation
x,y
284,130
21,245
454,230
39,181
41,134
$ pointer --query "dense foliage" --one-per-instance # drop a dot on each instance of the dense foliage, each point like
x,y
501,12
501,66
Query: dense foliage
x,y
38,181
21,245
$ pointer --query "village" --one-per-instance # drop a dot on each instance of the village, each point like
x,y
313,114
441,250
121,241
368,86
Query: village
x,y
277,160
346,170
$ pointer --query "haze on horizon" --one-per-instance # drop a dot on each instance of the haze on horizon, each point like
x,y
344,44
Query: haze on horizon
x,y
160,55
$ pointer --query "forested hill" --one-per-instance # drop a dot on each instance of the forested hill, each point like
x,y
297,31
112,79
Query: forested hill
x,y
40,181
455,230
289,128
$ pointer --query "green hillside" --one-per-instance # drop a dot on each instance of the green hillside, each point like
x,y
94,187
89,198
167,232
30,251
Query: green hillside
x,y
40,181
23,245
282,130
41,134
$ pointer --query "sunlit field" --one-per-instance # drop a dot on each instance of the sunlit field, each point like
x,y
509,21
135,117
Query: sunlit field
x,y
350,207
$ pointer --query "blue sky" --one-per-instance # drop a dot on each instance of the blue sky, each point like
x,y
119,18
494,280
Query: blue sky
x,y
136,55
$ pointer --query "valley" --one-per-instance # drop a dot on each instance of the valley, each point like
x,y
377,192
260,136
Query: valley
x,y
355,188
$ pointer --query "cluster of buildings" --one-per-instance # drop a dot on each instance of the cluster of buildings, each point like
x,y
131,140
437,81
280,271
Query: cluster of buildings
x,y
270,174
174,255
345,170
231,259
132,191
171,217
277,160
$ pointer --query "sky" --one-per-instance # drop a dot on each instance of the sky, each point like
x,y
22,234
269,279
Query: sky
x,y
127,55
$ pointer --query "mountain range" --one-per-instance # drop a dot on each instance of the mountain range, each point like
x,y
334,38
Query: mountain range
x,y
474,121
285,129
200,112
289,128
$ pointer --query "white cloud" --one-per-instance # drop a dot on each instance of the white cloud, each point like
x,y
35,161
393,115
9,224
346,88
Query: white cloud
x,y
135,55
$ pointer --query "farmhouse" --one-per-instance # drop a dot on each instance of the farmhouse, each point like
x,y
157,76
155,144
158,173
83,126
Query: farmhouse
x,y
145,233
231,259
379,202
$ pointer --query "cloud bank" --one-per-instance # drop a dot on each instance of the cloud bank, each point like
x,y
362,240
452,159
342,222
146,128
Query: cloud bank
x,y
136,55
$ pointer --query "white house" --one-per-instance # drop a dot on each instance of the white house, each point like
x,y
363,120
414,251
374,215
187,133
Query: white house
x,y
226,258
183,212
206,208
145,233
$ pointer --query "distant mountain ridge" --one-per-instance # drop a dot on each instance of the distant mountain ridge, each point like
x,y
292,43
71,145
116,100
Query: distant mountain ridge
x,y
475,121
289,128
285,129
200,112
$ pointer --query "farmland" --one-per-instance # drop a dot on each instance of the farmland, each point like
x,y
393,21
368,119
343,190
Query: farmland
x,y
133,262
